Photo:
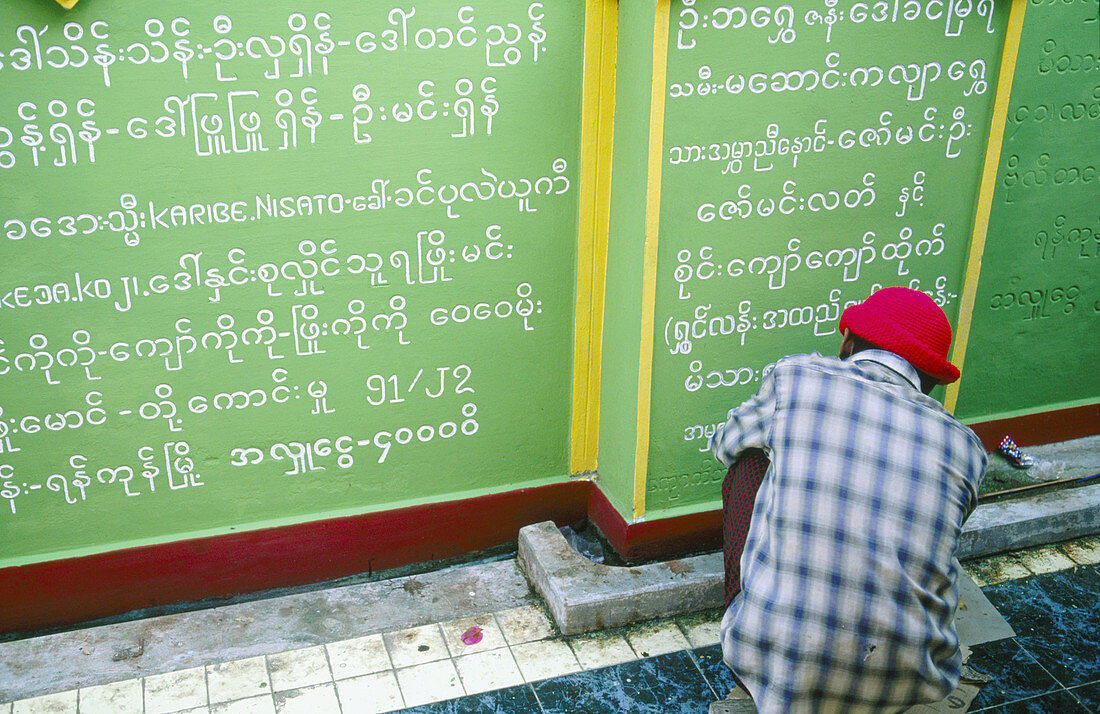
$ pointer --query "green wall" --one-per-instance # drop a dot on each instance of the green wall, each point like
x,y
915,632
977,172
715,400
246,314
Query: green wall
x,y
792,199
806,160
272,264
267,263
1035,340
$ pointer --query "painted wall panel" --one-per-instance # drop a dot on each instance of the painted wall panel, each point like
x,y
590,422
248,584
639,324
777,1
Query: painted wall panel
x,y
809,157
1035,340
269,262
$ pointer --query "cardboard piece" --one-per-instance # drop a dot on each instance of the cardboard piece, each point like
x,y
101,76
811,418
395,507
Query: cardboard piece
x,y
976,620
958,700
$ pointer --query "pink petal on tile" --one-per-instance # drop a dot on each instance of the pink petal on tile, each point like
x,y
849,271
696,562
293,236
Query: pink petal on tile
x,y
472,636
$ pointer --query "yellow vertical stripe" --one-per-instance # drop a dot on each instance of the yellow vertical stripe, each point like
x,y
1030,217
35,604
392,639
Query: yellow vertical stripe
x,y
609,47
985,194
649,270
597,114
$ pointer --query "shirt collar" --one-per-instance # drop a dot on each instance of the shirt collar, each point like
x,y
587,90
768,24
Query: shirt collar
x,y
892,362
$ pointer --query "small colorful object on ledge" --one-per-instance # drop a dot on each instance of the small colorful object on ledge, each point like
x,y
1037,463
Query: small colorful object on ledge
x,y
1013,455
472,636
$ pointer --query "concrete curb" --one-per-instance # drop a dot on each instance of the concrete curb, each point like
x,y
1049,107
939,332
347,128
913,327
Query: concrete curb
x,y
584,596
1039,520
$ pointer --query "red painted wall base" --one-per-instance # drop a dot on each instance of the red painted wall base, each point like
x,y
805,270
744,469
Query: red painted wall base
x,y
65,592
650,540
74,590
1042,428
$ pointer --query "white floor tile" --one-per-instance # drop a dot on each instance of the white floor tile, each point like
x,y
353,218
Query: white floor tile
x,y
318,699
524,624
594,651
431,682
353,658
700,631
1084,551
416,646
298,668
1001,568
486,671
370,694
175,691
239,679
263,704
115,698
970,571
491,636
1049,559
652,640
543,659
60,703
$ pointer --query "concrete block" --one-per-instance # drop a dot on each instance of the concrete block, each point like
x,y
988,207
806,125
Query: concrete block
x,y
584,596
1038,520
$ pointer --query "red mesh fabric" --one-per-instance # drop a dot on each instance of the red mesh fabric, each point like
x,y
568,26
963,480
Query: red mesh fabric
x,y
738,495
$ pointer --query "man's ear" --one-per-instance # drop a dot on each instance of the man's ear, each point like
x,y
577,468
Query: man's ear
x,y
847,345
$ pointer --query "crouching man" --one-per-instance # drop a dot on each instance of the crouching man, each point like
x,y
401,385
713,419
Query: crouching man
x,y
848,588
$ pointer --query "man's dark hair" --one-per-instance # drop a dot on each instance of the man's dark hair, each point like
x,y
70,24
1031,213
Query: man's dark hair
x,y
859,344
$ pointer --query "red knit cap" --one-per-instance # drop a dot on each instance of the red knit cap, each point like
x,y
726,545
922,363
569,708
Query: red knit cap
x,y
908,323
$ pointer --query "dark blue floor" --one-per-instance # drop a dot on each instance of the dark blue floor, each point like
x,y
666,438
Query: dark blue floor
x,y
1053,664
1051,667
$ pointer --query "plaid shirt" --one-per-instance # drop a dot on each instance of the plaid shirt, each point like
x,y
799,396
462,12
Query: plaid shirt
x,y
849,586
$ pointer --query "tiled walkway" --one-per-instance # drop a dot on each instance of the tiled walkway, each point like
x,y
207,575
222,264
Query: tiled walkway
x,y
515,661
386,672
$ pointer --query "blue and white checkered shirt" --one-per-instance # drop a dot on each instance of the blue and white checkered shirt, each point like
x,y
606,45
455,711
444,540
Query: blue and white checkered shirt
x,y
849,587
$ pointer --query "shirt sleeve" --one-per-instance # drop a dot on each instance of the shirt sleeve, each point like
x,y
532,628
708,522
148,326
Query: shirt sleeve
x,y
974,480
748,426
